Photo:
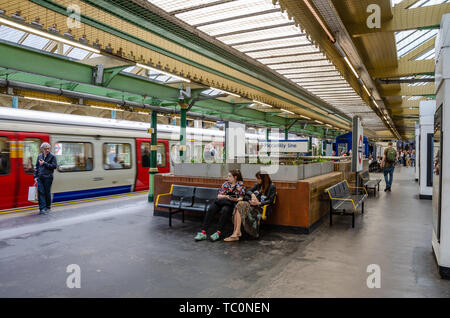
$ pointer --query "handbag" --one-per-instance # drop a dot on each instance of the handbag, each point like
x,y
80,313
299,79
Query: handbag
x,y
224,201
33,193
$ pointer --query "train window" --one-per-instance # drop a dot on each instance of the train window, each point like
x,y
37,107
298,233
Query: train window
x,y
145,154
74,156
4,156
31,150
160,155
116,156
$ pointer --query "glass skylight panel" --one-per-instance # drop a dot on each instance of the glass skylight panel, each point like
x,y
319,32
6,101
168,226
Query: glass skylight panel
x,y
129,69
300,64
301,76
326,90
293,50
78,54
10,34
424,3
212,92
244,24
174,5
224,11
395,2
271,44
320,86
35,41
414,40
293,58
312,70
427,55
307,79
260,35
95,55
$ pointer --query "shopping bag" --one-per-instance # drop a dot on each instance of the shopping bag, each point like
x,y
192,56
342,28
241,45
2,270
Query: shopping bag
x,y
33,193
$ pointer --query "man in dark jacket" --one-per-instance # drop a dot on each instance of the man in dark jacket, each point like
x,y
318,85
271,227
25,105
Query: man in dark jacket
x,y
43,175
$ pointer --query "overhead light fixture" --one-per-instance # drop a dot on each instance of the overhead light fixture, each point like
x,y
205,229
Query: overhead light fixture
x,y
47,35
305,117
107,108
287,111
328,125
48,100
261,103
367,91
318,121
322,24
143,113
162,72
221,90
351,66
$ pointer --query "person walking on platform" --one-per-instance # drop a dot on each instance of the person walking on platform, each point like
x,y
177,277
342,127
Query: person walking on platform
x,y
43,175
388,165
231,192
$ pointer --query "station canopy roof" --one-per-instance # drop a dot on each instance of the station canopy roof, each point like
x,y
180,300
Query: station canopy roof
x,y
265,33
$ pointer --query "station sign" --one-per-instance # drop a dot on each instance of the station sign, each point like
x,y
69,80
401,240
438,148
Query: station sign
x,y
295,146
357,145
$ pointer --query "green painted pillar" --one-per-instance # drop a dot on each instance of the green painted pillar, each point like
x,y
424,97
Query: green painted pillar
x,y
153,152
267,134
183,134
310,152
286,132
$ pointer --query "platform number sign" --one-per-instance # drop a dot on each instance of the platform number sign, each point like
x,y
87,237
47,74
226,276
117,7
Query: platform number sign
x,y
58,149
357,145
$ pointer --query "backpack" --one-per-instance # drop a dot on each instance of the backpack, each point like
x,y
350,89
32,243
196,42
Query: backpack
x,y
391,155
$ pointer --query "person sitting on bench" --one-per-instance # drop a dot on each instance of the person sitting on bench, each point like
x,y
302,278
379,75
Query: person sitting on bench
x,y
231,192
248,212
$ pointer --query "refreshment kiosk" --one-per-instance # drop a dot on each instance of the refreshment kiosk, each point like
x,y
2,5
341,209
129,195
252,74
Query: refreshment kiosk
x,y
441,153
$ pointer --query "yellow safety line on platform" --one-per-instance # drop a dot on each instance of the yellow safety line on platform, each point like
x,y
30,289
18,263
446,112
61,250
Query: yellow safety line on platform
x,y
74,202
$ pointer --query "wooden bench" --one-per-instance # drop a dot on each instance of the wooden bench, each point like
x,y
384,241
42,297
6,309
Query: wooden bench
x,y
370,184
343,202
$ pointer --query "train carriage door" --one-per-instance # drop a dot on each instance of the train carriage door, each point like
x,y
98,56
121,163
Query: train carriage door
x,y
29,148
8,169
143,160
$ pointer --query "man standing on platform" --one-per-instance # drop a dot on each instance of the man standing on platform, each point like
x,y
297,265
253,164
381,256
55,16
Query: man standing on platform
x,y
388,164
43,175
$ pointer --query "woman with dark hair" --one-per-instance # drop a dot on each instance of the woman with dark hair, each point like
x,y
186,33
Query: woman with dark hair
x,y
247,213
231,192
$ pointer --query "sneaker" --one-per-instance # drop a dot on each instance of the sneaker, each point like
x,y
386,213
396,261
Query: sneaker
x,y
215,237
44,211
389,189
200,237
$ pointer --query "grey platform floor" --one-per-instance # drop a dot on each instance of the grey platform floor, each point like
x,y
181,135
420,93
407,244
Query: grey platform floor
x,y
125,251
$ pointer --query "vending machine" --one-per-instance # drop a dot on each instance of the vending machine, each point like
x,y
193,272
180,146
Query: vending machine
x,y
441,152
426,127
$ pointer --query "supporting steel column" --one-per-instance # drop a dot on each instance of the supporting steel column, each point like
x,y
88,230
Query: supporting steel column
x,y
310,150
153,151
183,134
286,132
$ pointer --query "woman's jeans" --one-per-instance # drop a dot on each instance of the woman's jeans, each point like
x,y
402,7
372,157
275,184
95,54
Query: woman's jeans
x,y
44,190
388,172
